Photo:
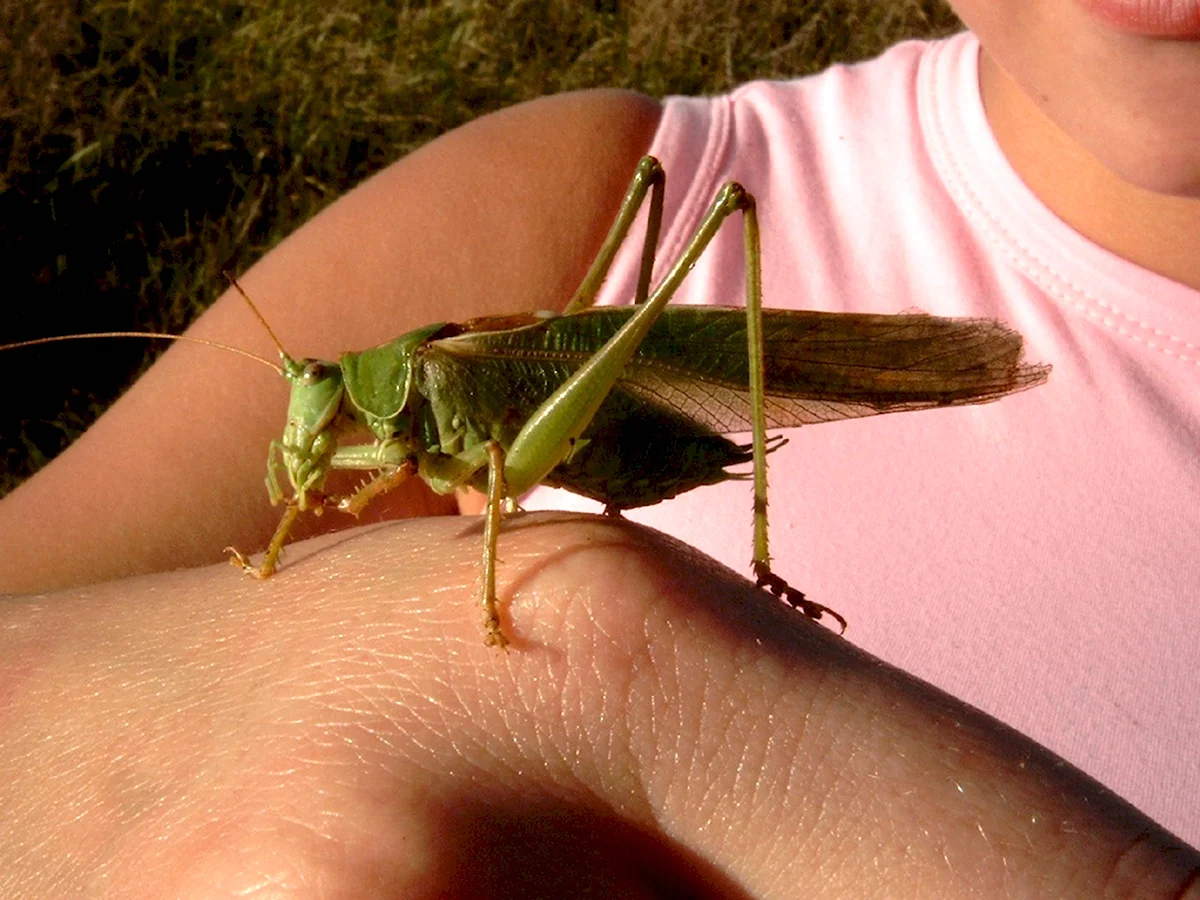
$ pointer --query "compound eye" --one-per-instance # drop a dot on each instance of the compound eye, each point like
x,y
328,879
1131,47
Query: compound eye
x,y
313,372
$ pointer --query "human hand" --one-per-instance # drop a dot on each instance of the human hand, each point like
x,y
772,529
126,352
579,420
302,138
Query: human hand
x,y
658,727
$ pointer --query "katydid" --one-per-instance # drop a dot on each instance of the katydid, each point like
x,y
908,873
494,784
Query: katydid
x,y
627,405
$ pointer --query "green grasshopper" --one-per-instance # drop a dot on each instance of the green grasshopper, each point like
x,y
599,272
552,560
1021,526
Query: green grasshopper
x,y
627,405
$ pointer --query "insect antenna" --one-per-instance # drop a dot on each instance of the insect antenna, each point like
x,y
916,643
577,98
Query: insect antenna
x,y
145,335
164,336
258,315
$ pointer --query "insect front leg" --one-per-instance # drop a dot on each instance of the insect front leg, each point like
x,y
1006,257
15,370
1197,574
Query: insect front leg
x,y
274,463
271,558
389,456
355,503
267,568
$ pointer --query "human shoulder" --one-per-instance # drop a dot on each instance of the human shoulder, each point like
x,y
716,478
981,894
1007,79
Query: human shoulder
x,y
853,114
843,165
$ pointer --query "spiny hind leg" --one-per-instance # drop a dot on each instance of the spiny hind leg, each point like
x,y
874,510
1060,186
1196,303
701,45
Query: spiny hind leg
x,y
763,575
648,177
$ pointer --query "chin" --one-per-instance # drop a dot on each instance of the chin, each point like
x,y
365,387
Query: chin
x,y
1161,163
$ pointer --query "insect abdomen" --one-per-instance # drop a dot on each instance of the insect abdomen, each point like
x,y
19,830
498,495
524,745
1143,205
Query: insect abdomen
x,y
634,455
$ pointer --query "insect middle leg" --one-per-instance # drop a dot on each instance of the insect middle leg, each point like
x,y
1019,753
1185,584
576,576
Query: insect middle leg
x,y
496,497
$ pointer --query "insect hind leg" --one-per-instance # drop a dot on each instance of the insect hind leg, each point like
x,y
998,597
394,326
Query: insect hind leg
x,y
767,579
763,445
648,177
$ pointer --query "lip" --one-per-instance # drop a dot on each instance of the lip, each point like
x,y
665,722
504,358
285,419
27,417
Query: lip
x,y
1172,19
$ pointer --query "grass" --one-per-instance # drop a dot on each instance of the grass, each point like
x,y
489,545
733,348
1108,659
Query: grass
x,y
147,146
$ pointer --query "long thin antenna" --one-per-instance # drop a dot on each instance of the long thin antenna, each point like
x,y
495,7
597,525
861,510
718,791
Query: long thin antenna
x,y
258,315
151,335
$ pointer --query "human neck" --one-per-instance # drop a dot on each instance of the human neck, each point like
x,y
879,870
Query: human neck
x,y
1159,232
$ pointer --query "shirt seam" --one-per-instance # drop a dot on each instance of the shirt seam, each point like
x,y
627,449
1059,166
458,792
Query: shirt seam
x,y
1022,257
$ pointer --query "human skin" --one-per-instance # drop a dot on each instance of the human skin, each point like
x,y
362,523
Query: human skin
x,y
142,713
659,727
1102,123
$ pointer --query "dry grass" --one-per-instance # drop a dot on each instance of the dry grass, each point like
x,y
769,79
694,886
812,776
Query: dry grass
x,y
146,146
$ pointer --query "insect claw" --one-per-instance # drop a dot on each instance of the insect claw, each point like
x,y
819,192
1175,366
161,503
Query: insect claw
x,y
815,611
765,578
495,635
240,560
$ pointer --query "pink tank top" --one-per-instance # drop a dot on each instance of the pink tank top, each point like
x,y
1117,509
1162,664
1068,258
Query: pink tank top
x,y
1038,557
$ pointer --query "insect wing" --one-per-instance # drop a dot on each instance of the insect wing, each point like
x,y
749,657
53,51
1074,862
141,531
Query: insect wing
x,y
820,366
